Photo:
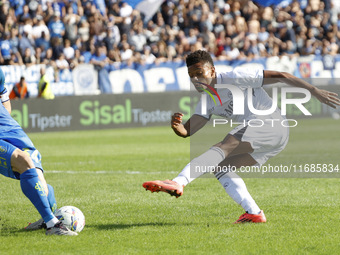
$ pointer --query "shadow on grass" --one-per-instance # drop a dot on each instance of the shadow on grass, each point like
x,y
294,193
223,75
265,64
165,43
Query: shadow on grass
x,y
132,225
112,226
10,232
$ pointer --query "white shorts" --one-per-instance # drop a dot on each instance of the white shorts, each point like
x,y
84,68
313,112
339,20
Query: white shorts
x,y
267,140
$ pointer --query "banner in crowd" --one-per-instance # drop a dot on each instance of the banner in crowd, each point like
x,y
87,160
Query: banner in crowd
x,y
266,3
163,77
147,7
61,80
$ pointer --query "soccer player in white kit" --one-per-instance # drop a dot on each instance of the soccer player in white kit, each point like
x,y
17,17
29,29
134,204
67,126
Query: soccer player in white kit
x,y
244,145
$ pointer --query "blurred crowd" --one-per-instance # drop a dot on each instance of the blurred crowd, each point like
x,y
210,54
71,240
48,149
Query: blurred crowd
x,y
65,33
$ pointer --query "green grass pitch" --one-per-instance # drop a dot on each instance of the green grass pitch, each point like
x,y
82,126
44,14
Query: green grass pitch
x,y
101,172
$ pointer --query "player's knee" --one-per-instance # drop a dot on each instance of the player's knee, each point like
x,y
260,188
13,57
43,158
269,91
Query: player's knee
x,y
228,144
21,161
227,148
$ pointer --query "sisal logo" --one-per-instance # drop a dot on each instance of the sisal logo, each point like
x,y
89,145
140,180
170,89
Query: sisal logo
x,y
238,96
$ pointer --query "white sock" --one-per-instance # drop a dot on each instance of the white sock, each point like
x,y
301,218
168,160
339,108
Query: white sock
x,y
237,190
200,165
51,223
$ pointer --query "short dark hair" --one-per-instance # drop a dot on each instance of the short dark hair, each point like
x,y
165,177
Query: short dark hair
x,y
199,56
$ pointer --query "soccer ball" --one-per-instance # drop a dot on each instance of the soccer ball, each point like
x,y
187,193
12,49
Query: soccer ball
x,y
71,217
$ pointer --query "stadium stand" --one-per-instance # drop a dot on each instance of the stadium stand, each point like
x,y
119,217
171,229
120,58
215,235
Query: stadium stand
x,y
229,30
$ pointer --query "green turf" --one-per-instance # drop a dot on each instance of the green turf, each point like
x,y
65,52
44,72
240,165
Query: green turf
x,y
101,172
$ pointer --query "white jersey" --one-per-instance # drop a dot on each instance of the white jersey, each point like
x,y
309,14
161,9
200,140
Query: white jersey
x,y
243,79
267,140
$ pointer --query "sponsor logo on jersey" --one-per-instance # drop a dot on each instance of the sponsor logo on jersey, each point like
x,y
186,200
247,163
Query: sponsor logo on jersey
x,y
3,163
2,150
208,92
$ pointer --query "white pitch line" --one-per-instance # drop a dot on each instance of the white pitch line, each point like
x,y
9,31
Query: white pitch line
x,y
104,172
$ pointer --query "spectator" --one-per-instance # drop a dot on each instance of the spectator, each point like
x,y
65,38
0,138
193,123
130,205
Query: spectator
x,y
48,59
263,35
49,13
5,49
29,58
14,41
44,86
19,90
40,29
25,43
57,47
114,56
125,13
96,24
71,21
43,42
84,31
126,53
68,50
18,6
15,60
56,26
28,30
61,62
148,57
59,7
39,55
100,62
113,35
4,10
138,38
77,59
25,15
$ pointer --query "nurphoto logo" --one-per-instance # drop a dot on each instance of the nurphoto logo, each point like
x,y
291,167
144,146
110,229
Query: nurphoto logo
x,y
238,103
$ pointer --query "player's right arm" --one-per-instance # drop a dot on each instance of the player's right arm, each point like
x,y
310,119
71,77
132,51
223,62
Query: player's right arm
x,y
4,97
194,124
324,96
8,106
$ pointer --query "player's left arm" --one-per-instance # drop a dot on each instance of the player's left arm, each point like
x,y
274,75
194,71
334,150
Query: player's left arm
x,y
324,96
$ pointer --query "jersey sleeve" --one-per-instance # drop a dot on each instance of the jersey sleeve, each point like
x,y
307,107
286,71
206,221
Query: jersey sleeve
x,y
3,91
244,77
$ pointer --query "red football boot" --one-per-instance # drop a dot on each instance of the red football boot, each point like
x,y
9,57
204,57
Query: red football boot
x,y
255,218
168,186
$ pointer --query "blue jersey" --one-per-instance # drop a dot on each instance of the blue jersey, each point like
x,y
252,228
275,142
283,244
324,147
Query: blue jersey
x,y
6,121
12,137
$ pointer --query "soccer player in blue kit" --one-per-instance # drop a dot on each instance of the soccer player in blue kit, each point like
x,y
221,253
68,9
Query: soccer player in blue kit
x,y
20,160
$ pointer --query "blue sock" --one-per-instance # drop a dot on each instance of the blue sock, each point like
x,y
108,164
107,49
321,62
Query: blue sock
x,y
34,191
51,198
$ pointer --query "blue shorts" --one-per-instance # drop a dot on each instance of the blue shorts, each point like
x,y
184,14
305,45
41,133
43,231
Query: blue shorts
x,y
11,140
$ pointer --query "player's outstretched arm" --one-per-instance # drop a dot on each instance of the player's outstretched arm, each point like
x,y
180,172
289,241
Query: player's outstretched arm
x,y
194,124
324,96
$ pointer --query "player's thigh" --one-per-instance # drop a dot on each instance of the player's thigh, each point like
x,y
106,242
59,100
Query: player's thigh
x,y
230,164
237,161
14,160
20,140
21,161
6,153
233,146
266,141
